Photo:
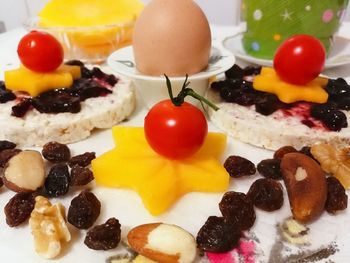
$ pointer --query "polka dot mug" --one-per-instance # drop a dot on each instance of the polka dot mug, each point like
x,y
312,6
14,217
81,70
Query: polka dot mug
x,y
270,22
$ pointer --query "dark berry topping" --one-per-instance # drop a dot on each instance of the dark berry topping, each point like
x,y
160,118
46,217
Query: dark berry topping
x,y
268,104
235,72
88,88
5,94
20,109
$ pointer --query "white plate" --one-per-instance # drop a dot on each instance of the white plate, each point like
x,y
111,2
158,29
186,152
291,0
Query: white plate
x,y
339,55
152,88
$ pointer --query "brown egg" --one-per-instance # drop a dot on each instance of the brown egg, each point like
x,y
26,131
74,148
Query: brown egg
x,y
171,37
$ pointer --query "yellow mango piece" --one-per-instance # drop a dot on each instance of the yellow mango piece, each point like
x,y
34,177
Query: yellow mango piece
x,y
159,181
269,81
34,83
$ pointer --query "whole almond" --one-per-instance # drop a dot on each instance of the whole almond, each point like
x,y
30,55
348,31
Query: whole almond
x,y
306,186
163,243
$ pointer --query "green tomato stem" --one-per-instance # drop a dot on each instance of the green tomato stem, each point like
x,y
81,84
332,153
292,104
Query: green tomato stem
x,y
185,91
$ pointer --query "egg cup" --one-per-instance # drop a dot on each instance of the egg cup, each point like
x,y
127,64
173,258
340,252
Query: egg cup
x,y
152,89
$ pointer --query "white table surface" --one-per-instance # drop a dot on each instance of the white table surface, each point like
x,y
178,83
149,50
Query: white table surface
x,y
190,212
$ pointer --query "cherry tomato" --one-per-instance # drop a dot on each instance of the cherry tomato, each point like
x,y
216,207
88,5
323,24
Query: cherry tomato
x,y
40,52
175,132
300,59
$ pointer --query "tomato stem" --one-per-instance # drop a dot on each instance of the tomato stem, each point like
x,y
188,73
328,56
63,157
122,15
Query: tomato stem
x,y
185,91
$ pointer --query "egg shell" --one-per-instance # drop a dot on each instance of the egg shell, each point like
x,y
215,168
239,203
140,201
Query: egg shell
x,y
172,37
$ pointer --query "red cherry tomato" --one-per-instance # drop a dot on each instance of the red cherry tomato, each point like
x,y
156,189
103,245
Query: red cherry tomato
x,y
175,132
300,59
40,51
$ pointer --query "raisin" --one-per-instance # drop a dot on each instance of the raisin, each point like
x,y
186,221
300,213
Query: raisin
x,y
266,194
218,235
6,155
80,176
82,159
237,208
84,210
19,208
337,198
6,145
56,152
105,236
307,151
57,181
270,168
282,151
238,166
1,181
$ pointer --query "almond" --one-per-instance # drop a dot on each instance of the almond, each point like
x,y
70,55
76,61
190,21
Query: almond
x,y
163,243
306,186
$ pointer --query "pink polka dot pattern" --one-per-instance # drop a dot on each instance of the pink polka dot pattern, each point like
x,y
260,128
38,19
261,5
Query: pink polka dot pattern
x,y
327,16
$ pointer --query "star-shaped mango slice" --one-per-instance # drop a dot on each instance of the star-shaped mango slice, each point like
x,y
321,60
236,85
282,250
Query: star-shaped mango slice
x,y
269,81
159,181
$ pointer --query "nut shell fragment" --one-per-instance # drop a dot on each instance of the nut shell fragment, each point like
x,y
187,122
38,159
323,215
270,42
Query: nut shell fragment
x,y
306,186
49,227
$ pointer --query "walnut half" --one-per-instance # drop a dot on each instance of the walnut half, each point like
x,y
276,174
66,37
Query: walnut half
x,y
49,227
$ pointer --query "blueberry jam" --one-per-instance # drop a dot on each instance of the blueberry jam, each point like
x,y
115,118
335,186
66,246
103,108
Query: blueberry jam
x,y
93,83
238,88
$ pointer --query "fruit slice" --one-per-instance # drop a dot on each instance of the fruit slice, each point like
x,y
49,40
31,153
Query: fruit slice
x,y
34,83
160,181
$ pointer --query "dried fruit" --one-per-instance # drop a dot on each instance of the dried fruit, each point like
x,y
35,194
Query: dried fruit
x,y
266,194
24,172
160,242
217,235
238,209
270,168
57,181
82,159
337,198
5,145
334,161
49,227
18,209
80,175
238,166
56,152
6,155
105,236
279,153
84,210
306,186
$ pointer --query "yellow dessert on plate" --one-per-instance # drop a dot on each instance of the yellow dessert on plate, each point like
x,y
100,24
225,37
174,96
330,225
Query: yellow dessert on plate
x,y
159,181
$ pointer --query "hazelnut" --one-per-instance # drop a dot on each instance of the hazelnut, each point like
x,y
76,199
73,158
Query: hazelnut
x,y
306,186
24,172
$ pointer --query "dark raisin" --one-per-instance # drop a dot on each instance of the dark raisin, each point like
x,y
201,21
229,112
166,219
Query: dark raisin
x,y
57,181
235,72
56,152
237,208
270,168
217,235
266,194
80,176
267,104
5,94
279,153
1,181
105,236
238,166
56,101
82,159
88,88
5,145
6,155
20,109
19,208
84,209
337,198
307,151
